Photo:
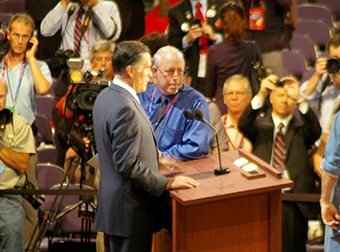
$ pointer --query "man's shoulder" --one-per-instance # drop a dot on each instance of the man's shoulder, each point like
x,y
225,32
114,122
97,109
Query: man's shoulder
x,y
185,4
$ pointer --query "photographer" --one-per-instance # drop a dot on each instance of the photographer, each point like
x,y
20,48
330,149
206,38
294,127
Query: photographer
x,y
321,90
16,148
82,24
100,58
282,141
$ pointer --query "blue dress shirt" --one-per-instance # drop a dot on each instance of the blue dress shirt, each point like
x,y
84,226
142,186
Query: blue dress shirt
x,y
179,137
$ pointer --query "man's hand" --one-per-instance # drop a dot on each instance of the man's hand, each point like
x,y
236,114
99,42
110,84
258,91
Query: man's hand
x,y
30,53
208,32
181,182
89,3
194,33
292,88
320,66
267,86
64,3
330,215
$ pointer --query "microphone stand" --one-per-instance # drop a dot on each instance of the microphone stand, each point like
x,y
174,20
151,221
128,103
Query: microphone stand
x,y
199,116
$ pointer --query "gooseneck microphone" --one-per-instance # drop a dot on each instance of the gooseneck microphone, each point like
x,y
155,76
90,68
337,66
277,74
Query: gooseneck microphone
x,y
198,115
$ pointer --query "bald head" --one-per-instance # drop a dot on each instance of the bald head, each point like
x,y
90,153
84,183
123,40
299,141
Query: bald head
x,y
169,69
167,53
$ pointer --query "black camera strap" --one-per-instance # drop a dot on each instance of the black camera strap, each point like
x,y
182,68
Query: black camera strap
x,y
69,14
325,84
86,23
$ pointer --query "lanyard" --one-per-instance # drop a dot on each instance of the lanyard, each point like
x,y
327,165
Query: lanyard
x,y
5,69
242,138
166,111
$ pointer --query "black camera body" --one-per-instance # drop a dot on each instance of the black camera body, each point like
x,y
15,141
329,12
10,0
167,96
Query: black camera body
x,y
333,65
59,63
35,200
280,83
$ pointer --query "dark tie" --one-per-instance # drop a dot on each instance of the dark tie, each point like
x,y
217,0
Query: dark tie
x,y
158,115
279,150
77,32
203,41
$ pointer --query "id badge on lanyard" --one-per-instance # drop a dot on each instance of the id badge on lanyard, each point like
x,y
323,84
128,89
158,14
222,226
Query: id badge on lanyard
x,y
256,16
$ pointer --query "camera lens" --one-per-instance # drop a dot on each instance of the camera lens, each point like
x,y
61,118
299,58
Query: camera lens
x,y
333,65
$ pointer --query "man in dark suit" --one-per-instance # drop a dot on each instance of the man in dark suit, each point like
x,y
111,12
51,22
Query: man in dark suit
x,y
129,210
193,38
298,137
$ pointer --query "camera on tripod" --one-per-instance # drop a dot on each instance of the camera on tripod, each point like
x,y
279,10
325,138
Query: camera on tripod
x,y
333,65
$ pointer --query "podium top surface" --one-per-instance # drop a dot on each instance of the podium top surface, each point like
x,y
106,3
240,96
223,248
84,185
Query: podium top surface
x,y
230,185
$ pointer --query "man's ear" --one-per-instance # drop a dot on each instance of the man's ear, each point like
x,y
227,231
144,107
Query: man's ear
x,y
130,71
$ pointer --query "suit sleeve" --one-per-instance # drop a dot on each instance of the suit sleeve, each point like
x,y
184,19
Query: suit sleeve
x,y
128,135
247,123
175,32
312,130
210,79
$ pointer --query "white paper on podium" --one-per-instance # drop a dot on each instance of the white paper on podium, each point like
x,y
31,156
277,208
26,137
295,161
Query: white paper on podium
x,y
94,161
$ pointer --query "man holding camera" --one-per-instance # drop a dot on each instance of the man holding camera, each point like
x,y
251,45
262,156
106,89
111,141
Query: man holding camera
x,y
283,141
321,90
82,24
16,148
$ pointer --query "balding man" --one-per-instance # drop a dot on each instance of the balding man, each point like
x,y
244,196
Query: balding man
x,y
177,136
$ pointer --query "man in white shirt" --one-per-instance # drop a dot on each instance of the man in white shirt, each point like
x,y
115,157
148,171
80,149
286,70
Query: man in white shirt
x,y
100,20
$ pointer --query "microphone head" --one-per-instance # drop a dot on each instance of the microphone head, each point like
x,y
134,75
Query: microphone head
x,y
198,113
189,115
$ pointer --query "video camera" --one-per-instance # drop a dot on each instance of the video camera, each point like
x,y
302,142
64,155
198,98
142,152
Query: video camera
x,y
59,63
333,65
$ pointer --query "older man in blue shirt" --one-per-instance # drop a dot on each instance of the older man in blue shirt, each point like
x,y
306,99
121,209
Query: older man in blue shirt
x,y
165,103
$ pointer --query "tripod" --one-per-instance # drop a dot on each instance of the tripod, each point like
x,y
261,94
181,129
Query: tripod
x,y
84,204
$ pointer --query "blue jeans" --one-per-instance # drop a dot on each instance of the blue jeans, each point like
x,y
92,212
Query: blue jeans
x,y
11,223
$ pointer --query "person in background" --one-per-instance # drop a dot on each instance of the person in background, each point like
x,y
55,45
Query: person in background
x,y
16,149
237,95
192,29
165,103
104,23
321,90
283,141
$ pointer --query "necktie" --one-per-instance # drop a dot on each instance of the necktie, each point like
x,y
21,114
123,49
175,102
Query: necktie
x,y
158,115
279,150
77,32
203,40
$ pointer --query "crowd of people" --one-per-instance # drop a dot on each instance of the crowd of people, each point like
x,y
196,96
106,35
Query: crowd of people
x,y
204,62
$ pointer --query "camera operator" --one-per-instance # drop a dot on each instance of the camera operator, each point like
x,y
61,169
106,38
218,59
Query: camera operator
x,y
16,148
82,24
100,58
321,90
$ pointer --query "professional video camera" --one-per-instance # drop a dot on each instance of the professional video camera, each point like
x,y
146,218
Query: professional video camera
x,y
333,65
80,101
59,63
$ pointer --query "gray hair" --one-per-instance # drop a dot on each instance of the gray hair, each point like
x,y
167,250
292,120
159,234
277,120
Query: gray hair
x,y
101,46
237,78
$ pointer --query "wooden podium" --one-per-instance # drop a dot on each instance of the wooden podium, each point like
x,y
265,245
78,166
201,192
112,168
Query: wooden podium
x,y
232,212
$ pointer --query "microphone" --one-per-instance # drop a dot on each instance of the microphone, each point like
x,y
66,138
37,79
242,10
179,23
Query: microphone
x,y
198,115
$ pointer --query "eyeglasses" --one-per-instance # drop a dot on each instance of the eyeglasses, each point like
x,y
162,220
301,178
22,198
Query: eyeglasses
x,y
171,73
237,94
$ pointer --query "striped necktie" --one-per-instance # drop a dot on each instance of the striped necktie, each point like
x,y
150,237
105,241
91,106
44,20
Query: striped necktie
x,y
77,32
279,150
159,115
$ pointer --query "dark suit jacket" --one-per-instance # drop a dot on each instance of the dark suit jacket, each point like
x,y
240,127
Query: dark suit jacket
x,y
132,15
299,137
182,13
129,178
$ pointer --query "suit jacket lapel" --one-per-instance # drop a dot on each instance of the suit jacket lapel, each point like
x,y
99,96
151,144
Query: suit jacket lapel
x,y
268,127
292,127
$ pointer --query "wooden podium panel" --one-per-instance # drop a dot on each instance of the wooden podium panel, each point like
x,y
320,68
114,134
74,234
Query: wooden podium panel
x,y
227,212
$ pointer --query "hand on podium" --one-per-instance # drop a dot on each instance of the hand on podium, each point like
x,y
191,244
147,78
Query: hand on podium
x,y
181,182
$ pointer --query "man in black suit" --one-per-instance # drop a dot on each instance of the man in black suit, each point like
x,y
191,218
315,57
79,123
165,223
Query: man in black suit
x,y
193,38
298,137
129,209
